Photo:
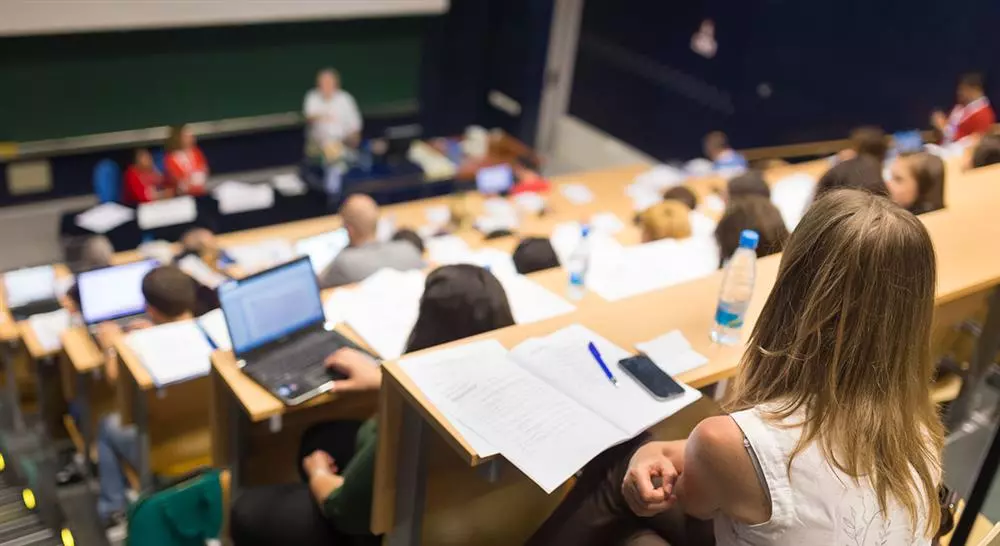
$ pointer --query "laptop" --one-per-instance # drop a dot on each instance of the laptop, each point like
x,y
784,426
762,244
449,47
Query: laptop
x,y
31,291
322,249
279,333
113,294
495,180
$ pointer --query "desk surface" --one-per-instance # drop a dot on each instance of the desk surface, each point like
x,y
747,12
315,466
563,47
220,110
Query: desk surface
x,y
82,350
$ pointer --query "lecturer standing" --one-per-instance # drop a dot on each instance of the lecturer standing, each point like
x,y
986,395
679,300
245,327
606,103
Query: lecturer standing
x,y
333,119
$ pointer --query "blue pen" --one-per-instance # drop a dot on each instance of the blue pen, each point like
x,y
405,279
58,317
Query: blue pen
x,y
600,361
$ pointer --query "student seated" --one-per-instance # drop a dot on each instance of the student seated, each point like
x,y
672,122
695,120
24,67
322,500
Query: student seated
x,y
860,173
143,181
666,220
833,437
682,194
187,169
866,141
987,152
411,237
972,115
750,212
723,157
534,254
335,507
170,297
365,254
917,182
748,183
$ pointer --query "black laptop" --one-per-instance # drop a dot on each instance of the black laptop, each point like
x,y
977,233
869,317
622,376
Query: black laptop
x,y
279,332
31,291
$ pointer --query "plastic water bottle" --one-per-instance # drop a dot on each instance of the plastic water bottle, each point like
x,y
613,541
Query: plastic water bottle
x,y
737,288
577,266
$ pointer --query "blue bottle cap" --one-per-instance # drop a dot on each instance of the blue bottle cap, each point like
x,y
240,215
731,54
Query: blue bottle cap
x,y
585,230
749,239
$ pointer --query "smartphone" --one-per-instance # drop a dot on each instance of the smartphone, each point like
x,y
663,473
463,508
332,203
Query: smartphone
x,y
651,377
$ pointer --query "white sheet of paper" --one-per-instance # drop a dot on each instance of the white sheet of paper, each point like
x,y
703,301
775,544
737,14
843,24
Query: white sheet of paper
x,y
792,195
713,203
385,228
541,431
606,222
167,212
258,256
699,167
529,202
447,250
438,215
385,308
323,249
642,268
496,261
289,184
643,198
530,301
672,353
701,225
337,305
48,328
23,286
660,178
234,197
172,352
201,272
104,217
578,194
213,323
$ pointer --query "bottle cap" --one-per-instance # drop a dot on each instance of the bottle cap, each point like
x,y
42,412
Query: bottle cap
x,y
585,230
749,239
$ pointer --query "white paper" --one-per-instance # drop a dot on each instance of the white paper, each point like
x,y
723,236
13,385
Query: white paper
x,y
699,167
672,353
578,194
660,178
792,195
167,212
259,256
23,286
213,323
498,215
642,197
567,235
234,197
201,272
701,225
606,222
385,308
529,202
337,305
159,250
104,217
530,301
385,228
438,215
289,184
447,249
651,266
495,261
713,203
323,249
173,352
48,328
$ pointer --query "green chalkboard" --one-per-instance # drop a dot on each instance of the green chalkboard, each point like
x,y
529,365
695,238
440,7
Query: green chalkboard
x,y
79,84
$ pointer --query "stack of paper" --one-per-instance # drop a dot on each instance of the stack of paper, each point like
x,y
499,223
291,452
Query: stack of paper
x,y
289,185
546,406
214,325
23,286
434,164
530,301
323,249
104,217
651,266
447,249
201,272
234,197
792,195
259,256
167,212
578,194
385,308
48,328
172,352
496,261
672,353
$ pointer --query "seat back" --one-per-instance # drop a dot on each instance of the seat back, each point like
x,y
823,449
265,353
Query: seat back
x,y
107,181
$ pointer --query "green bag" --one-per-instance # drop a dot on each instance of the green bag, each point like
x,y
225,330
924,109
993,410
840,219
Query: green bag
x,y
188,513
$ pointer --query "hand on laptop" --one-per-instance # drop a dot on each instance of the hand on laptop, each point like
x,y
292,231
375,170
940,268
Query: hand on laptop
x,y
363,373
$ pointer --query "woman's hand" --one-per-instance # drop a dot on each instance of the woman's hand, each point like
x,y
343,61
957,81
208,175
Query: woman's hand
x,y
363,373
649,482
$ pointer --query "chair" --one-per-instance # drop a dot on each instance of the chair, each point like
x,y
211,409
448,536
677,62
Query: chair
x,y
107,181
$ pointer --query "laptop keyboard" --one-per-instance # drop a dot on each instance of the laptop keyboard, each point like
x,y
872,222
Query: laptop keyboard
x,y
34,308
291,361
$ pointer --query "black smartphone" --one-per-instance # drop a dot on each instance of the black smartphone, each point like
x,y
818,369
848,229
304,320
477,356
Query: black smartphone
x,y
651,377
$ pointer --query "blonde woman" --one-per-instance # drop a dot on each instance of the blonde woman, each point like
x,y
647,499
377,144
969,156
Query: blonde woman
x,y
666,220
833,437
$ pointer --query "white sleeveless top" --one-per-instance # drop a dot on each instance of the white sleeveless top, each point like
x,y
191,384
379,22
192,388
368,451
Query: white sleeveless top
x,y
814,503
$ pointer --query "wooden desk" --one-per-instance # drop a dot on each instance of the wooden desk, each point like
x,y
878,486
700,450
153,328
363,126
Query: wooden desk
x,y
84,382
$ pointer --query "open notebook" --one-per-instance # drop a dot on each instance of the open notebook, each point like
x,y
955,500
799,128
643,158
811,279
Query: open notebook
x,y
545,405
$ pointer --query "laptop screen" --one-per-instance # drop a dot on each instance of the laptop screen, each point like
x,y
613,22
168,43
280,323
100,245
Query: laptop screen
x,y
494,180
322,249
271,305
24,286
113,292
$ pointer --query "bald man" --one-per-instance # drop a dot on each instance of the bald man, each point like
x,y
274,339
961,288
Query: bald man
x,y
366,254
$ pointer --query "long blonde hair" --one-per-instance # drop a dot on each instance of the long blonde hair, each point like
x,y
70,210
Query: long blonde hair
x,y
844,338
666,220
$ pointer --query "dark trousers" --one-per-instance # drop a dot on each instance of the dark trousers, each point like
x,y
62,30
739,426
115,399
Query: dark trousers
x,y
594,512
279,515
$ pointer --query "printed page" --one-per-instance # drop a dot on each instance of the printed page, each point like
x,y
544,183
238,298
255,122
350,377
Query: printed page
x,y
172,352
48,328
384,310
262,255
530,301
198,270
213,323
104,217
541,431
167,212
672,353
289,184
234,197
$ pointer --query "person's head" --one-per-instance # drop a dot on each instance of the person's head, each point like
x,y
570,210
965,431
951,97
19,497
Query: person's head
x,y
843,338
666,220
459,301
749,183
181,138
860,173
328,81
987,152
714,144
870,141
96,252
971,86
144,159
360,215
411,237
751,212
169,293
682,194
917,182
534,254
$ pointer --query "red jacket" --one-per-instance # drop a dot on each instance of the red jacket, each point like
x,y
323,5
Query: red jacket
x,y
975,118
187,171
140,185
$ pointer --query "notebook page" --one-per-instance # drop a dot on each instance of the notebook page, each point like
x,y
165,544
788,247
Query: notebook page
x,y
213,323
384,309
104,217
48,328
171,352
530,301
541,431
563,360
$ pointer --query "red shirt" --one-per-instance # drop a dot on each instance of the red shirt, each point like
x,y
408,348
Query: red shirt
x,y
140,185
187,171
975,118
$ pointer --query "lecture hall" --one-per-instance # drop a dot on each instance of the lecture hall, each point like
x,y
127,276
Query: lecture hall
x,y
542,272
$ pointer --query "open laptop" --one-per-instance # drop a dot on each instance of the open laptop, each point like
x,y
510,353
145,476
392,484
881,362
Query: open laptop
x,y
495,180
278,331
31,291
113,293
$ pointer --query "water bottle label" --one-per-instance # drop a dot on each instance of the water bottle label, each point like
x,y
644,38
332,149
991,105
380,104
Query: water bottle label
x,y
728,315
576,279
